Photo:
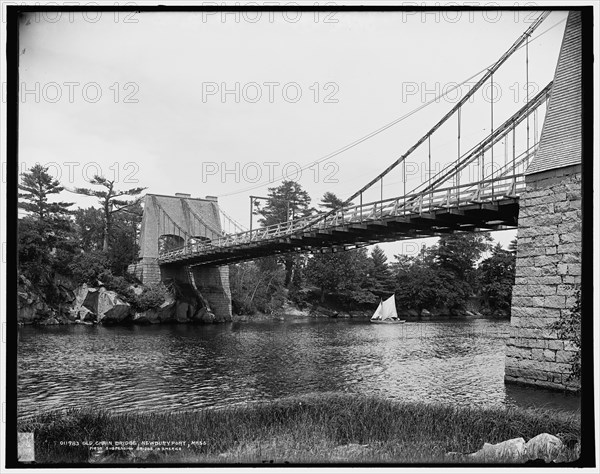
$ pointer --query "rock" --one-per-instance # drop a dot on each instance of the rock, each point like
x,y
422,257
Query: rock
x,y
219,318
31,309
111,308
290,310
145,317
425,312
90,297
322,312
197,316
511,451
208,317
181,312
166,311
136,289
78,312
50,322
204,315
544,446
85,315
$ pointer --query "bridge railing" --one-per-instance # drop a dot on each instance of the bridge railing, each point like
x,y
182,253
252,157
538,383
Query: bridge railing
x,y
486,190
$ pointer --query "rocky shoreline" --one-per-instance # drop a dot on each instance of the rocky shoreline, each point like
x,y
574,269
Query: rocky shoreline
x,y
96,305
91,305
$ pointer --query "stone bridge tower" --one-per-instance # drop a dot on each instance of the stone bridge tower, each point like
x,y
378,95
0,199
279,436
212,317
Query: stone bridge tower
x,y
170,222
548,269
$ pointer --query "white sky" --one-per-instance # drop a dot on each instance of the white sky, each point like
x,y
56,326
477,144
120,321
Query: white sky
x,y
172,136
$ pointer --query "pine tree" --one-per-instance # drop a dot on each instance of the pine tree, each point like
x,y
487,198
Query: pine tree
x,y
46,241
37,185
331,201
381,277
285,202
107,199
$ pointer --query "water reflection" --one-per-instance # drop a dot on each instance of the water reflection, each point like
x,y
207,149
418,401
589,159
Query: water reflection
x,y
182,367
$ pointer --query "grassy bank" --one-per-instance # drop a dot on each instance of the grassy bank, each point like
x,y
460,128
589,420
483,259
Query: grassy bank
x,y
317,428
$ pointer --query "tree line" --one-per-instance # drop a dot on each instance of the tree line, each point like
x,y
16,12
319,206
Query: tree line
x,y
445,275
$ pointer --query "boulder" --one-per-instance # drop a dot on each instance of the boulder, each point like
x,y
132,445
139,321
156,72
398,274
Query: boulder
x,y
511,451
79,293
544,446
89,296
111,308
290,310
181,312
31,308
145,317
50,321
166,311
209,317
197,316
322,312
86,316
78,312
137,290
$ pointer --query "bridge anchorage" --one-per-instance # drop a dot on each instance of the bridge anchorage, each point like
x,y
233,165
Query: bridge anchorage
x,y
536,190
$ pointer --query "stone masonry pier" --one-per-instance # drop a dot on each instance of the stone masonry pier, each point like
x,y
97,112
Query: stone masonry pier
x,y
548,273
549,238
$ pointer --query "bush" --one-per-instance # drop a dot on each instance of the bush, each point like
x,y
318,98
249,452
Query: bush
x,y
152,297
88,267
568,328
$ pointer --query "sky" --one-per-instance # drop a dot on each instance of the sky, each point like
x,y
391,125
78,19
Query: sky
x,y
223,104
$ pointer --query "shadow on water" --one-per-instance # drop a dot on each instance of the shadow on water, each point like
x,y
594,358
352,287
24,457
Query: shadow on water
x,y
172,367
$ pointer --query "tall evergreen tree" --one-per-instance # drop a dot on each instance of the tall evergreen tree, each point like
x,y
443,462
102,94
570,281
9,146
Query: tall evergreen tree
x,y
286,202
380,277
111,201
37,185
46,241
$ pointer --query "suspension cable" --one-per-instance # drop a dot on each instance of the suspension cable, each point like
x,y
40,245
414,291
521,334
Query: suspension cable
x,y
466,97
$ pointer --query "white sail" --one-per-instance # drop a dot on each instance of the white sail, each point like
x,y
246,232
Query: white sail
x,y
378,312
388,309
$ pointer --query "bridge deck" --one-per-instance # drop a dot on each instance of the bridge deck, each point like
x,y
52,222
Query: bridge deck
x,y
442,211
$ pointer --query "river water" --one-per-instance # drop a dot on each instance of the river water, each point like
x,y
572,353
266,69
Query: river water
x,y
181,367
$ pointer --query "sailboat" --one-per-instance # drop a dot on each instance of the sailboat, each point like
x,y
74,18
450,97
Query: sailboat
x,y
386,313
